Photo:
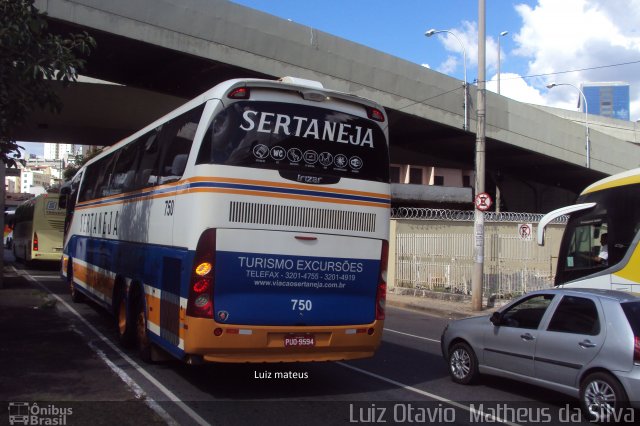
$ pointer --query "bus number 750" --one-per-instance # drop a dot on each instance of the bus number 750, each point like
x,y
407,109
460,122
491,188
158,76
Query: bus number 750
x,y
301,305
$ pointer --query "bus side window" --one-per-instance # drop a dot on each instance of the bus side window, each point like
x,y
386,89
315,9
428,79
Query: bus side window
x,y
125,167
145,172
176,140
106,173
91,177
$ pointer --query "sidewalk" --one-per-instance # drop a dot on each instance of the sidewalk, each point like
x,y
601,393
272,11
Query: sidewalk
x,y
438,304
45,360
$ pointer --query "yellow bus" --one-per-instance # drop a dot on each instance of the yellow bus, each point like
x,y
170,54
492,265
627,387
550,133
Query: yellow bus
x,y
38,232
601,244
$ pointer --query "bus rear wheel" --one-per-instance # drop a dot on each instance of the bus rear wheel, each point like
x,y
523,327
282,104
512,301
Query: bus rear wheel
x,y
76,296
124,322
142,337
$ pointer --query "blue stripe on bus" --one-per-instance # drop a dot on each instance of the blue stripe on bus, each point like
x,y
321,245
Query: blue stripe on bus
x,y
245,187
140,262
281,190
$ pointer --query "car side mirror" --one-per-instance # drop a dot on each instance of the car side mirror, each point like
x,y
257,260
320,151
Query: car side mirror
x,y
496,319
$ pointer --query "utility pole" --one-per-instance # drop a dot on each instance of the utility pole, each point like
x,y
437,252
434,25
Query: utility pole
x,y
478,223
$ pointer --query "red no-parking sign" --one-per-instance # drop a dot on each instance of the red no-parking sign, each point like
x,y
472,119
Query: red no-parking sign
x,y
483,201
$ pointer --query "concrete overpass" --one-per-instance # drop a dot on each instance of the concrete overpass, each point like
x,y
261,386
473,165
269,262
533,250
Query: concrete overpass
x,y
167,51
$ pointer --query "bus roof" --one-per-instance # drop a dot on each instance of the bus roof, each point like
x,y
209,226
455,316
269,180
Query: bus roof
x,y
620,179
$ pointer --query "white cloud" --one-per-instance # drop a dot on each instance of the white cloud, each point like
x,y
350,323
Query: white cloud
x,y
467,34
514,87
565,35
449,66
558,36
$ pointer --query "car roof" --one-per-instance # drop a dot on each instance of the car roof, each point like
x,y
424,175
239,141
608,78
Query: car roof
x,y
619,296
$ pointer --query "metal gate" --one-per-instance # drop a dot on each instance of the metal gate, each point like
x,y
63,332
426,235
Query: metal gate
x,y
434,251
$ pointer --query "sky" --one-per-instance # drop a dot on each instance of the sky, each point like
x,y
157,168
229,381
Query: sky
x,y
548,41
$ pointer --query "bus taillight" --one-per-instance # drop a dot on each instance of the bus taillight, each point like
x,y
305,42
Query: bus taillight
x,y
239,93
375,114
200,302
35,241
381,293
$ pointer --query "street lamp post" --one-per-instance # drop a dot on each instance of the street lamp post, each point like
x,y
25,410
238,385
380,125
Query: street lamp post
x,y
502,34
464,62
586,116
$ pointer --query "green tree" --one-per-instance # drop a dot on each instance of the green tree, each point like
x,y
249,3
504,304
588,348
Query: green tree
x,y
31,58
70,171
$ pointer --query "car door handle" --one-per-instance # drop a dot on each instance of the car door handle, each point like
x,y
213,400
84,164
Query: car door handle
x,y
527,336
587,344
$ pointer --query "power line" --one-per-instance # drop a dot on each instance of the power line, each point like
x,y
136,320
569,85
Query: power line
x,y
525,77
570,71
433,97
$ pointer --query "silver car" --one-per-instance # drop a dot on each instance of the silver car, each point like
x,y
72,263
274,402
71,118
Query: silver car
x,y
581,342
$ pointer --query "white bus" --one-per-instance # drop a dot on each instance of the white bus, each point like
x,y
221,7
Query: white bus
x,y
38,229
601,244
249,225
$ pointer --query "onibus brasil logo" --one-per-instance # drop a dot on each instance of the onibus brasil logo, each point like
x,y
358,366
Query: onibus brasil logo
x,y
30,413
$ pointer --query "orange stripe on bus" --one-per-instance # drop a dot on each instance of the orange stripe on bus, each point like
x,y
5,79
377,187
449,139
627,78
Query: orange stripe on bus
x,y
287,196
287,185
94,279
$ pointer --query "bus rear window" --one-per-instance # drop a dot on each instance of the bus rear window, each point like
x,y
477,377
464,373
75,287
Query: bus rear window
x,y
296,138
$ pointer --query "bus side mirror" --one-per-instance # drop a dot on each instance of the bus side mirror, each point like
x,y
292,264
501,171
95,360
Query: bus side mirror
x,y
64,196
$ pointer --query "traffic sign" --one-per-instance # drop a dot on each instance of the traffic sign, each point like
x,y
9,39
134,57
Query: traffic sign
x,y
483,201
525,230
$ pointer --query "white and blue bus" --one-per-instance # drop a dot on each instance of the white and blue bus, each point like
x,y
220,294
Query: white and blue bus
x,y
249,225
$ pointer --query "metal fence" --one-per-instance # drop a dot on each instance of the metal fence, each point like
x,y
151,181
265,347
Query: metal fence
x,y
437,253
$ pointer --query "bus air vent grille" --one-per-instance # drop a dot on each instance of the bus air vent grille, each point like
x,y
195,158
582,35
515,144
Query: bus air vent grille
x,y
301,217
58,225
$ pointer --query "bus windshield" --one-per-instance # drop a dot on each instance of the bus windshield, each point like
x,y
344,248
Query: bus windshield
x,y
295,139
598,238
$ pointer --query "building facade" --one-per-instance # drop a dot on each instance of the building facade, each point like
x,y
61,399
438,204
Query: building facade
x,y
609,99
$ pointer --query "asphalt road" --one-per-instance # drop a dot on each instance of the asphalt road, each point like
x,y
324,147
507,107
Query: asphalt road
x,y
406,381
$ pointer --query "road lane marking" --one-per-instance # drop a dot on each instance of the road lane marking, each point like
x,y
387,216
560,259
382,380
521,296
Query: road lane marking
x,y
413,335
121,373
464,407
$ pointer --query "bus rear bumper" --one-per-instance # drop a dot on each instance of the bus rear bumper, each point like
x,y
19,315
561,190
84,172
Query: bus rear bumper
x,y
241,344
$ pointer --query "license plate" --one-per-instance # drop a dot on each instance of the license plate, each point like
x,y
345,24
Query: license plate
x,y
299,340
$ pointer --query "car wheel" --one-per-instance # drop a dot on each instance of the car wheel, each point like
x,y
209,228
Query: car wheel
x,y
602,396
463,364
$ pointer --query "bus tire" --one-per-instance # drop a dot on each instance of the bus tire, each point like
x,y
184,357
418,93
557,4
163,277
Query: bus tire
x,y
142,337
76,296
125,324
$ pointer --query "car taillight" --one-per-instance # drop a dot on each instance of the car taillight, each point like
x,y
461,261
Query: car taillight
x,y
35,241
636,350
200,303
381,293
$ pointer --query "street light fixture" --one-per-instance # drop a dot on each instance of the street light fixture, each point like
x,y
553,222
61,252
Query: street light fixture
x,y
464,62
502,34
586,116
